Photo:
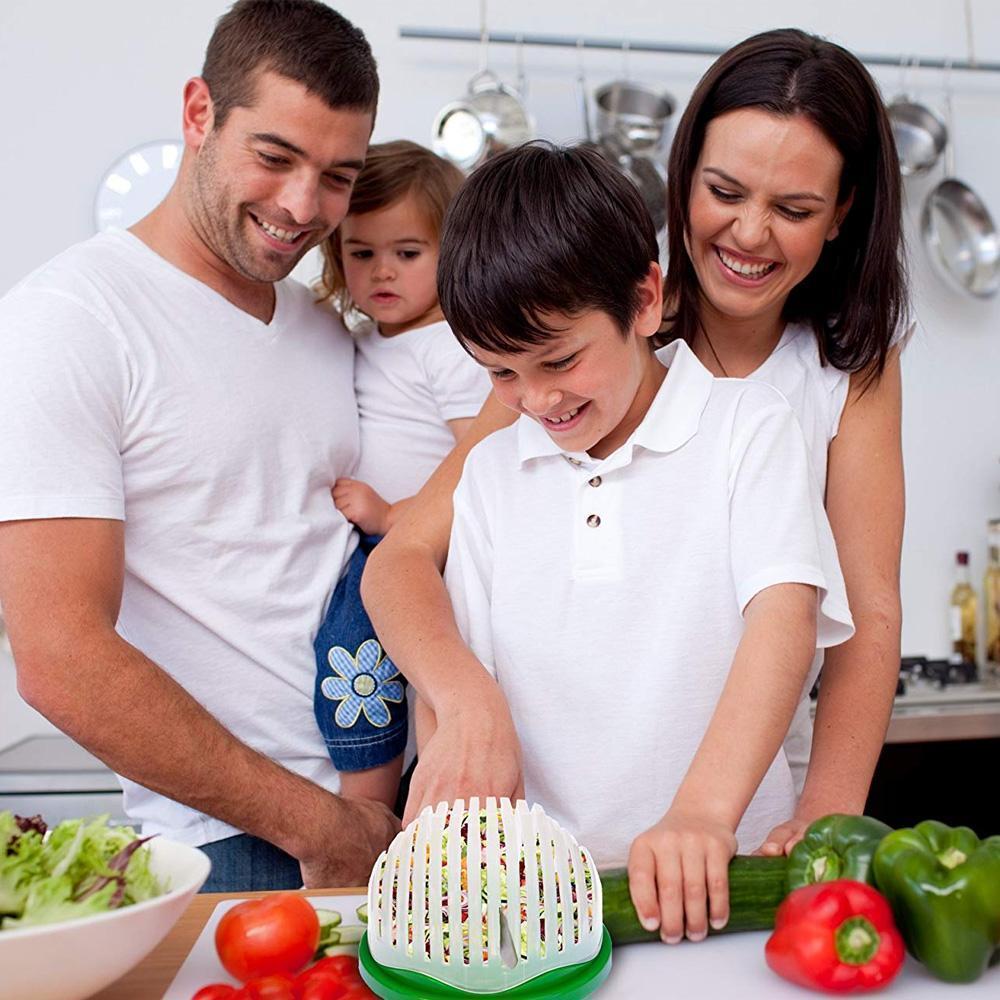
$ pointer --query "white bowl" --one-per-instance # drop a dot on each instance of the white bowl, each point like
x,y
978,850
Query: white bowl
x,y
75,959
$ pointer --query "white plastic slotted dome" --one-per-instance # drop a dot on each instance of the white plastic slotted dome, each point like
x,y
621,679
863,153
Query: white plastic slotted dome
x,y
535,904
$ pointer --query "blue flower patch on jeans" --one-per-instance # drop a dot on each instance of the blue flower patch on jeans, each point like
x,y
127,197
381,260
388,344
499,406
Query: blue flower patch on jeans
x,y
360,697
363,683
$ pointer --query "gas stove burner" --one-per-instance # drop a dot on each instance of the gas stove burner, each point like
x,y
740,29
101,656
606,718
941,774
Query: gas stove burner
x,y
939,672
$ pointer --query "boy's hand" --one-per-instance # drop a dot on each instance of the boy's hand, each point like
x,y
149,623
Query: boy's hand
x,y
678,873
361,505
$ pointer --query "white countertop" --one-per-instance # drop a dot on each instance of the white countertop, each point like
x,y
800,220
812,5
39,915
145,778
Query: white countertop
x,y
732,966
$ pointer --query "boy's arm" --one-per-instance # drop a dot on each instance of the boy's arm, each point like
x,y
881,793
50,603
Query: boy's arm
x,y
475,748
460,427
789,585
687,853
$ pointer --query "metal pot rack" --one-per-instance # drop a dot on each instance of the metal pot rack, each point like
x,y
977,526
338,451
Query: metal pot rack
x,y
672,48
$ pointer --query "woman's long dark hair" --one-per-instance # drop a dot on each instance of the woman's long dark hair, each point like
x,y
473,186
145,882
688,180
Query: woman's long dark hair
x,y
855,298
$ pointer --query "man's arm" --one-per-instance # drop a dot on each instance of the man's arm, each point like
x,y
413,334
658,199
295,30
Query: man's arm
x,y
61,586
865,504
474,750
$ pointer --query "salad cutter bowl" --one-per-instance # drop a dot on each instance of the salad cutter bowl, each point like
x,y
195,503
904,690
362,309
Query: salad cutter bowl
x,y
481,898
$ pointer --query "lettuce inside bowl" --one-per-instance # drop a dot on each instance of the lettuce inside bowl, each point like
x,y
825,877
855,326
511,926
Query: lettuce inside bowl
x,y
89,941
79,868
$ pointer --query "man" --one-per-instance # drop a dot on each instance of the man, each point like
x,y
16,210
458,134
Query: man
x,y
172,416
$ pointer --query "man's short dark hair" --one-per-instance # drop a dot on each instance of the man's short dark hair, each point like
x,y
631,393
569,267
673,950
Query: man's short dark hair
x,y
542,229
303,40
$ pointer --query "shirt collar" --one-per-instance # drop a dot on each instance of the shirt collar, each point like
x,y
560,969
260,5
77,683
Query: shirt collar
x,y
671,420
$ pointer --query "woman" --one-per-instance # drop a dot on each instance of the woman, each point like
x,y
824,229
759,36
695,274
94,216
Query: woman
x,y
785,241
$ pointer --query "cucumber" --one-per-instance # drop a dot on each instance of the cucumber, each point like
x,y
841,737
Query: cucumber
x,y
756,888
362,912
351,934
328,918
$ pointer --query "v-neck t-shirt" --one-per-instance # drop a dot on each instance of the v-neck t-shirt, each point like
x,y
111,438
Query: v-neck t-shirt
x,y
131,391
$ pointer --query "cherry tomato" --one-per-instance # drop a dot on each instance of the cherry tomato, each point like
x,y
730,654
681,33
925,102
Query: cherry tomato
x,y
215,991
280,986
322,989
264,936
359,991
342,968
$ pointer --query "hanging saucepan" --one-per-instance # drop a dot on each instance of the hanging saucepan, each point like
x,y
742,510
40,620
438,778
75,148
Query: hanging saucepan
x,y
489,119
920,134
959,233
632,115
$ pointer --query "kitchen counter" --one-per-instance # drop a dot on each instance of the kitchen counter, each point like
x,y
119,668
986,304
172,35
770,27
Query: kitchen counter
x,y
930,723
720,968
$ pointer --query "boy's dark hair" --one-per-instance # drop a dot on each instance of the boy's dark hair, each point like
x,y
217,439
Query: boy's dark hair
x,y
392,171
303,40
856,295
542,229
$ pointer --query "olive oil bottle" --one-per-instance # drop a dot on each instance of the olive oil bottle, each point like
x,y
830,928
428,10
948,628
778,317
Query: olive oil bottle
x,y
991,598
963,613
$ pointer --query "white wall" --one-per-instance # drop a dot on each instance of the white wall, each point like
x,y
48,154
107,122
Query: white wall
x,y
82,83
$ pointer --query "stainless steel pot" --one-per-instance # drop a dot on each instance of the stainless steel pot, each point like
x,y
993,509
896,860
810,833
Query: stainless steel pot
x,y
961,238
958,231
635,117
920,134
489,119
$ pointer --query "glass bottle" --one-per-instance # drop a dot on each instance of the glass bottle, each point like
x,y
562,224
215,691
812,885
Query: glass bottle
x,y
991,597
963,613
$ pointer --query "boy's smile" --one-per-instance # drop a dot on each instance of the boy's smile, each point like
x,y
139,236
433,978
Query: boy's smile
x,y
587,385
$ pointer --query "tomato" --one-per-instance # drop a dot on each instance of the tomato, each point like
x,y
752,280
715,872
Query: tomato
x,y
280,986
215,991
343,968
359,991
264,936
335,977
322,989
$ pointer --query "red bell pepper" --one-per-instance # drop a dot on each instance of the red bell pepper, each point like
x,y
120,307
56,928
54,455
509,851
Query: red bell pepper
x,y
836,936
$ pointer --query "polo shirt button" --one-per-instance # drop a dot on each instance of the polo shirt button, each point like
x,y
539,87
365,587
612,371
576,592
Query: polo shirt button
x,y
573,461
596,481
594,521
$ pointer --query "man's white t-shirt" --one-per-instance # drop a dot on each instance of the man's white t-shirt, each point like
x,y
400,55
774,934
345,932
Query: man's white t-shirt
x,y
606,596
131,391
408,387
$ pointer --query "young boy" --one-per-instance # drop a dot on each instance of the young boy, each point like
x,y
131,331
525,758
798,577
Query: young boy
x,y
643,560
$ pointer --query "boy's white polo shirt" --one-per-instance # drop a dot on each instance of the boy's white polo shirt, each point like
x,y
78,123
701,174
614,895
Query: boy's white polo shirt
x,y
606,596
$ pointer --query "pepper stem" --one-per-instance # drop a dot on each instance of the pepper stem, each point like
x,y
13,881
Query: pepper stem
x,y
856,941
824,867
952,857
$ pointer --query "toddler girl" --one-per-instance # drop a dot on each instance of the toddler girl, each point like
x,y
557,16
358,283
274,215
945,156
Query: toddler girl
x,y
417,391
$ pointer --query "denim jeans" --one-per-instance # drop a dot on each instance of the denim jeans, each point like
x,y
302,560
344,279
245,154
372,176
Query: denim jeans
x,y
243,862
359,697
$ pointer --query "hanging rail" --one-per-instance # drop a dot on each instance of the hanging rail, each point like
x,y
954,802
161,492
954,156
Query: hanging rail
x,y
674,48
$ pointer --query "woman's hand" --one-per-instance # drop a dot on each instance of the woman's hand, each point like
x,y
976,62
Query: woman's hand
x,y
784,837
361,505
678,874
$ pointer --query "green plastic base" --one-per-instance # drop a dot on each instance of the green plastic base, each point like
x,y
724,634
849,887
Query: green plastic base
x,y
574,982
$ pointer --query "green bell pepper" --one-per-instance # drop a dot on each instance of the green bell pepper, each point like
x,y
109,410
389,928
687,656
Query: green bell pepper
x,y
943,884
836,847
